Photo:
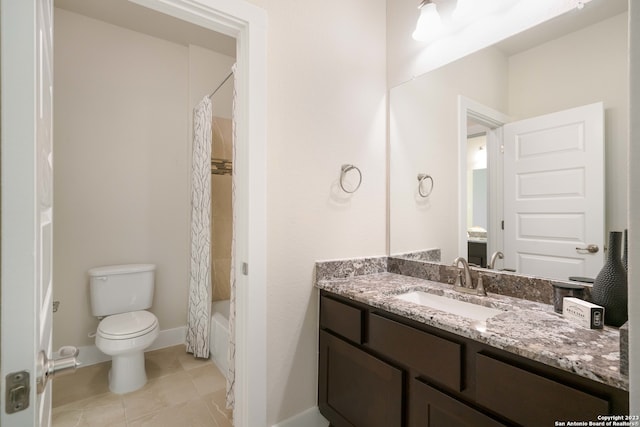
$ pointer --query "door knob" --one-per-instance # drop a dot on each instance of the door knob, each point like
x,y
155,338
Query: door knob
x,y
592,249
65,363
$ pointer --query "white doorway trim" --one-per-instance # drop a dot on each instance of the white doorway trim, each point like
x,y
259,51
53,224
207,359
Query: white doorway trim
x,y
493,120
248,24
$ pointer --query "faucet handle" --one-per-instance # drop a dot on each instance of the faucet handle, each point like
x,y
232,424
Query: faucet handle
x,y
459,279
480,286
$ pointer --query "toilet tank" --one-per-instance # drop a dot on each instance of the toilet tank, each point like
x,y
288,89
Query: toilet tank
x,y
121,288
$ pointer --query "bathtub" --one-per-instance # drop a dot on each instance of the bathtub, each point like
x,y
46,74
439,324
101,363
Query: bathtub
x,y
219,339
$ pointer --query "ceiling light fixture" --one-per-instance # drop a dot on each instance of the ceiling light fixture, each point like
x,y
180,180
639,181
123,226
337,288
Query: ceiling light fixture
x,y
429,24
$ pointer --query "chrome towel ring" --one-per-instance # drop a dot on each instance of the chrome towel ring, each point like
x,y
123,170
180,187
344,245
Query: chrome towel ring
x,y
343,172
422,177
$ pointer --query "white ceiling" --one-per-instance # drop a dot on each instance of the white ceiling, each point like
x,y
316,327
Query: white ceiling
x,y
126,14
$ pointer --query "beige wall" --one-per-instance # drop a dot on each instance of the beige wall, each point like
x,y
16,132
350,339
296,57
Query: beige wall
x,y
122,154
326,107
207,70
587,66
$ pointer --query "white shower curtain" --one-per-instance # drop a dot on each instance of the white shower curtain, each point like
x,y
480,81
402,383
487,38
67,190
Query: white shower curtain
x,y
199,304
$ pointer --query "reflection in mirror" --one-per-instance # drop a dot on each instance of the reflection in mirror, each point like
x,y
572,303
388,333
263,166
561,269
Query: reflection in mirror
x,y
477,193
574,60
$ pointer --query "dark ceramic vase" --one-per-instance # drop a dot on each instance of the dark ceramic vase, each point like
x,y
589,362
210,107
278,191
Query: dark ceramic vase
x,y
625,247
610,287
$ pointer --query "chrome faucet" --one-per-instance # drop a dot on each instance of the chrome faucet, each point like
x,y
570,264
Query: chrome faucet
x,y
465,283
495,256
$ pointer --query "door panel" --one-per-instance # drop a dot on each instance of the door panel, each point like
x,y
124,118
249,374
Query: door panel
x,y
554,193
44,192
27,195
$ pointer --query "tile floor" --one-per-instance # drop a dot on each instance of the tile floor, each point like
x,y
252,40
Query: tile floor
x,y
181,391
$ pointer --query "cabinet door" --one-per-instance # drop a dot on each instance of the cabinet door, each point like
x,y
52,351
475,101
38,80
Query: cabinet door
x,y
429,407
355,388
436,358
341,318
530,399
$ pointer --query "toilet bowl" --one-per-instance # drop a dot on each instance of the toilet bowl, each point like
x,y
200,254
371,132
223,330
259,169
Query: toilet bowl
x,y
124,337
120,295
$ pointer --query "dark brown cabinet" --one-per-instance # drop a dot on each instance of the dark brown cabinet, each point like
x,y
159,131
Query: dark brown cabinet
x,y
342,319
357,389
531,399
378,369
432,356
429,407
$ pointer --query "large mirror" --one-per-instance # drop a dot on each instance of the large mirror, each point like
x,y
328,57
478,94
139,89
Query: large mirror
x,y
520,148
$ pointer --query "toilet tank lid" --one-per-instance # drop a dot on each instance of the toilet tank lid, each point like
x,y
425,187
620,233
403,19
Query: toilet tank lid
x,y
121,269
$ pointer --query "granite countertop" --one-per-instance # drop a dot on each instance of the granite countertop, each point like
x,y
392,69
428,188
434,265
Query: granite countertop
x,y
526,328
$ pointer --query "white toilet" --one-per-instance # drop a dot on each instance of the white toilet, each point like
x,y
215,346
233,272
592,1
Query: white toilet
x,y
119,296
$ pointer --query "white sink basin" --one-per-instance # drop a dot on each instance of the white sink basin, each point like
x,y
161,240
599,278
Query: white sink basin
x,y
450,305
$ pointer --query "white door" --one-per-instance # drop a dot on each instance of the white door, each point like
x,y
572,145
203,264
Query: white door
x,y
26,180
554,193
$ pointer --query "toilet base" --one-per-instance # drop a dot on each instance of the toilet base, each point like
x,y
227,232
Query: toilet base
x,y
127,373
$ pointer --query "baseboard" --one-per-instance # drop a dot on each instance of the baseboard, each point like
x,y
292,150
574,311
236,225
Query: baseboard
x,y
169,337
309,418
90,355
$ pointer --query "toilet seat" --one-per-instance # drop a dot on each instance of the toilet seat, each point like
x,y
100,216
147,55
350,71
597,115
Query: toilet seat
x,y
127,325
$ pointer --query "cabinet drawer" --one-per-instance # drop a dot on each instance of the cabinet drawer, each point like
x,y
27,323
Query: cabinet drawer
x,y
530,399
355,389
341,318
431,408
434,357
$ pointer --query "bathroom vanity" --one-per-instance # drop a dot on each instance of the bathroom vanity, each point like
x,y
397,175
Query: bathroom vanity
x,y
386,361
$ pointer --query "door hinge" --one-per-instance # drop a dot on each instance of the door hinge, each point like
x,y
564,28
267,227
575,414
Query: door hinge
x,y
17,395
502,224
245,268
502,148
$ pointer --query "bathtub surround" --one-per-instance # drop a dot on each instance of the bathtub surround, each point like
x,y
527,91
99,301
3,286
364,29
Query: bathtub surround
x,y
199,302
219,341
222,238
221,212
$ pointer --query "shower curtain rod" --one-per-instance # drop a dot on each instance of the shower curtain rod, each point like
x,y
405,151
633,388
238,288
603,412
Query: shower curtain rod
x,y
220,85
